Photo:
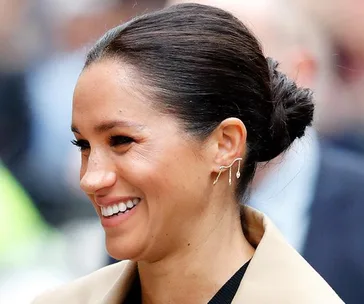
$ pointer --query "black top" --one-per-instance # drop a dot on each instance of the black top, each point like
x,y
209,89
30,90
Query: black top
x,y
224,296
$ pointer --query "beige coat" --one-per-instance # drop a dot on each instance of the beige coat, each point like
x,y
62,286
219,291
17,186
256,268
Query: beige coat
x,y
277,274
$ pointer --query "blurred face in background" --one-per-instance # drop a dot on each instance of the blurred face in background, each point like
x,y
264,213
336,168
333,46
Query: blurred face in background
x,y
138,160
77,24
344,19
20,35
344,23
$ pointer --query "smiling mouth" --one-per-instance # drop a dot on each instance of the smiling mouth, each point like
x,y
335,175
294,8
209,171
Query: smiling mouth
x,y
119,208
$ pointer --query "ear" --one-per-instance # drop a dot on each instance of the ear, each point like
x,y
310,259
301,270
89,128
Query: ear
x,y
229,142
303,69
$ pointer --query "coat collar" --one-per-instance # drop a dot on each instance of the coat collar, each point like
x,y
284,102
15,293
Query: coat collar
x,y
276,273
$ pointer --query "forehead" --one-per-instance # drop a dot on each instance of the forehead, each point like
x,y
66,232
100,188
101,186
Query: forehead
x,y
103,78
108,88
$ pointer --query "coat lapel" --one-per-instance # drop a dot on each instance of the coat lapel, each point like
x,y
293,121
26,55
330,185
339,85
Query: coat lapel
x,y
120,288
277,273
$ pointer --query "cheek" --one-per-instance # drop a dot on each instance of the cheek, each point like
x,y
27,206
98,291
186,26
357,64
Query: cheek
x,y
165,179
141,173
163,171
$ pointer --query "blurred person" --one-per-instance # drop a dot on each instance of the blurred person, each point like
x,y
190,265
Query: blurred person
x,y
313,186
14,133
20,34
20,43
172,112
343,22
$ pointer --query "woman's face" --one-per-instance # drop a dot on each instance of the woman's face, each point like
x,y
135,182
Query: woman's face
x,y
147,179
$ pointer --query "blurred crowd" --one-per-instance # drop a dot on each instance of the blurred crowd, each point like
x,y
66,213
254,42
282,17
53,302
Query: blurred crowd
x,y
49,233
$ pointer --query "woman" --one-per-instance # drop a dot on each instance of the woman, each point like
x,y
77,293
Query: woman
x,y
172,113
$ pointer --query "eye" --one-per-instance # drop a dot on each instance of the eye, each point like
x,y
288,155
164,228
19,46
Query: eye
x,y
120,140
81,143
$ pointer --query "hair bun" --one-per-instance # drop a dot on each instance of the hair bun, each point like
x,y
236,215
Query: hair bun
x,y
292,112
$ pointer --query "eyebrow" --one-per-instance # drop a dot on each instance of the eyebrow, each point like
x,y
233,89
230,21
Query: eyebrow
x,y
108,125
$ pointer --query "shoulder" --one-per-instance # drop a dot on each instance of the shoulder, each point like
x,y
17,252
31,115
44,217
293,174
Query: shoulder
x,y
347,162
89,289
349,167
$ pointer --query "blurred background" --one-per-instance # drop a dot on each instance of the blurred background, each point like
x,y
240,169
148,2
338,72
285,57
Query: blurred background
x,y
49,233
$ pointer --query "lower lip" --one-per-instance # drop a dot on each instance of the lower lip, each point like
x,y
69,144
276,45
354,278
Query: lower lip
x,y
116,220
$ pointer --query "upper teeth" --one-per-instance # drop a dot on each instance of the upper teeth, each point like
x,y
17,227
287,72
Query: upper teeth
x,y
120,207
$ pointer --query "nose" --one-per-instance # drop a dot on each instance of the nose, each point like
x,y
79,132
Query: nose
x,y
97,177
95,181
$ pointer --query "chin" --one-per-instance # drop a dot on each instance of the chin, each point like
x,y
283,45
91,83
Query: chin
x,y
121,249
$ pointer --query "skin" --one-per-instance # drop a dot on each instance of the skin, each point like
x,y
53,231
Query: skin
x,y
343,20
186,234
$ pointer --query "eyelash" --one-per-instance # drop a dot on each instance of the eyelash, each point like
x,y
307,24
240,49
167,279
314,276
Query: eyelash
x,y
114,141
81,144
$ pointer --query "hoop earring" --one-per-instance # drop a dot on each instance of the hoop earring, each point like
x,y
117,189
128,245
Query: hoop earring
x,y
223,168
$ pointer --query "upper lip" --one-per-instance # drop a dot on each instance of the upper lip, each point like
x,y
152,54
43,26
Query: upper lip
x,y
108,201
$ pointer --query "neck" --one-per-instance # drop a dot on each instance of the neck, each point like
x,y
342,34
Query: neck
x,y
195,274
